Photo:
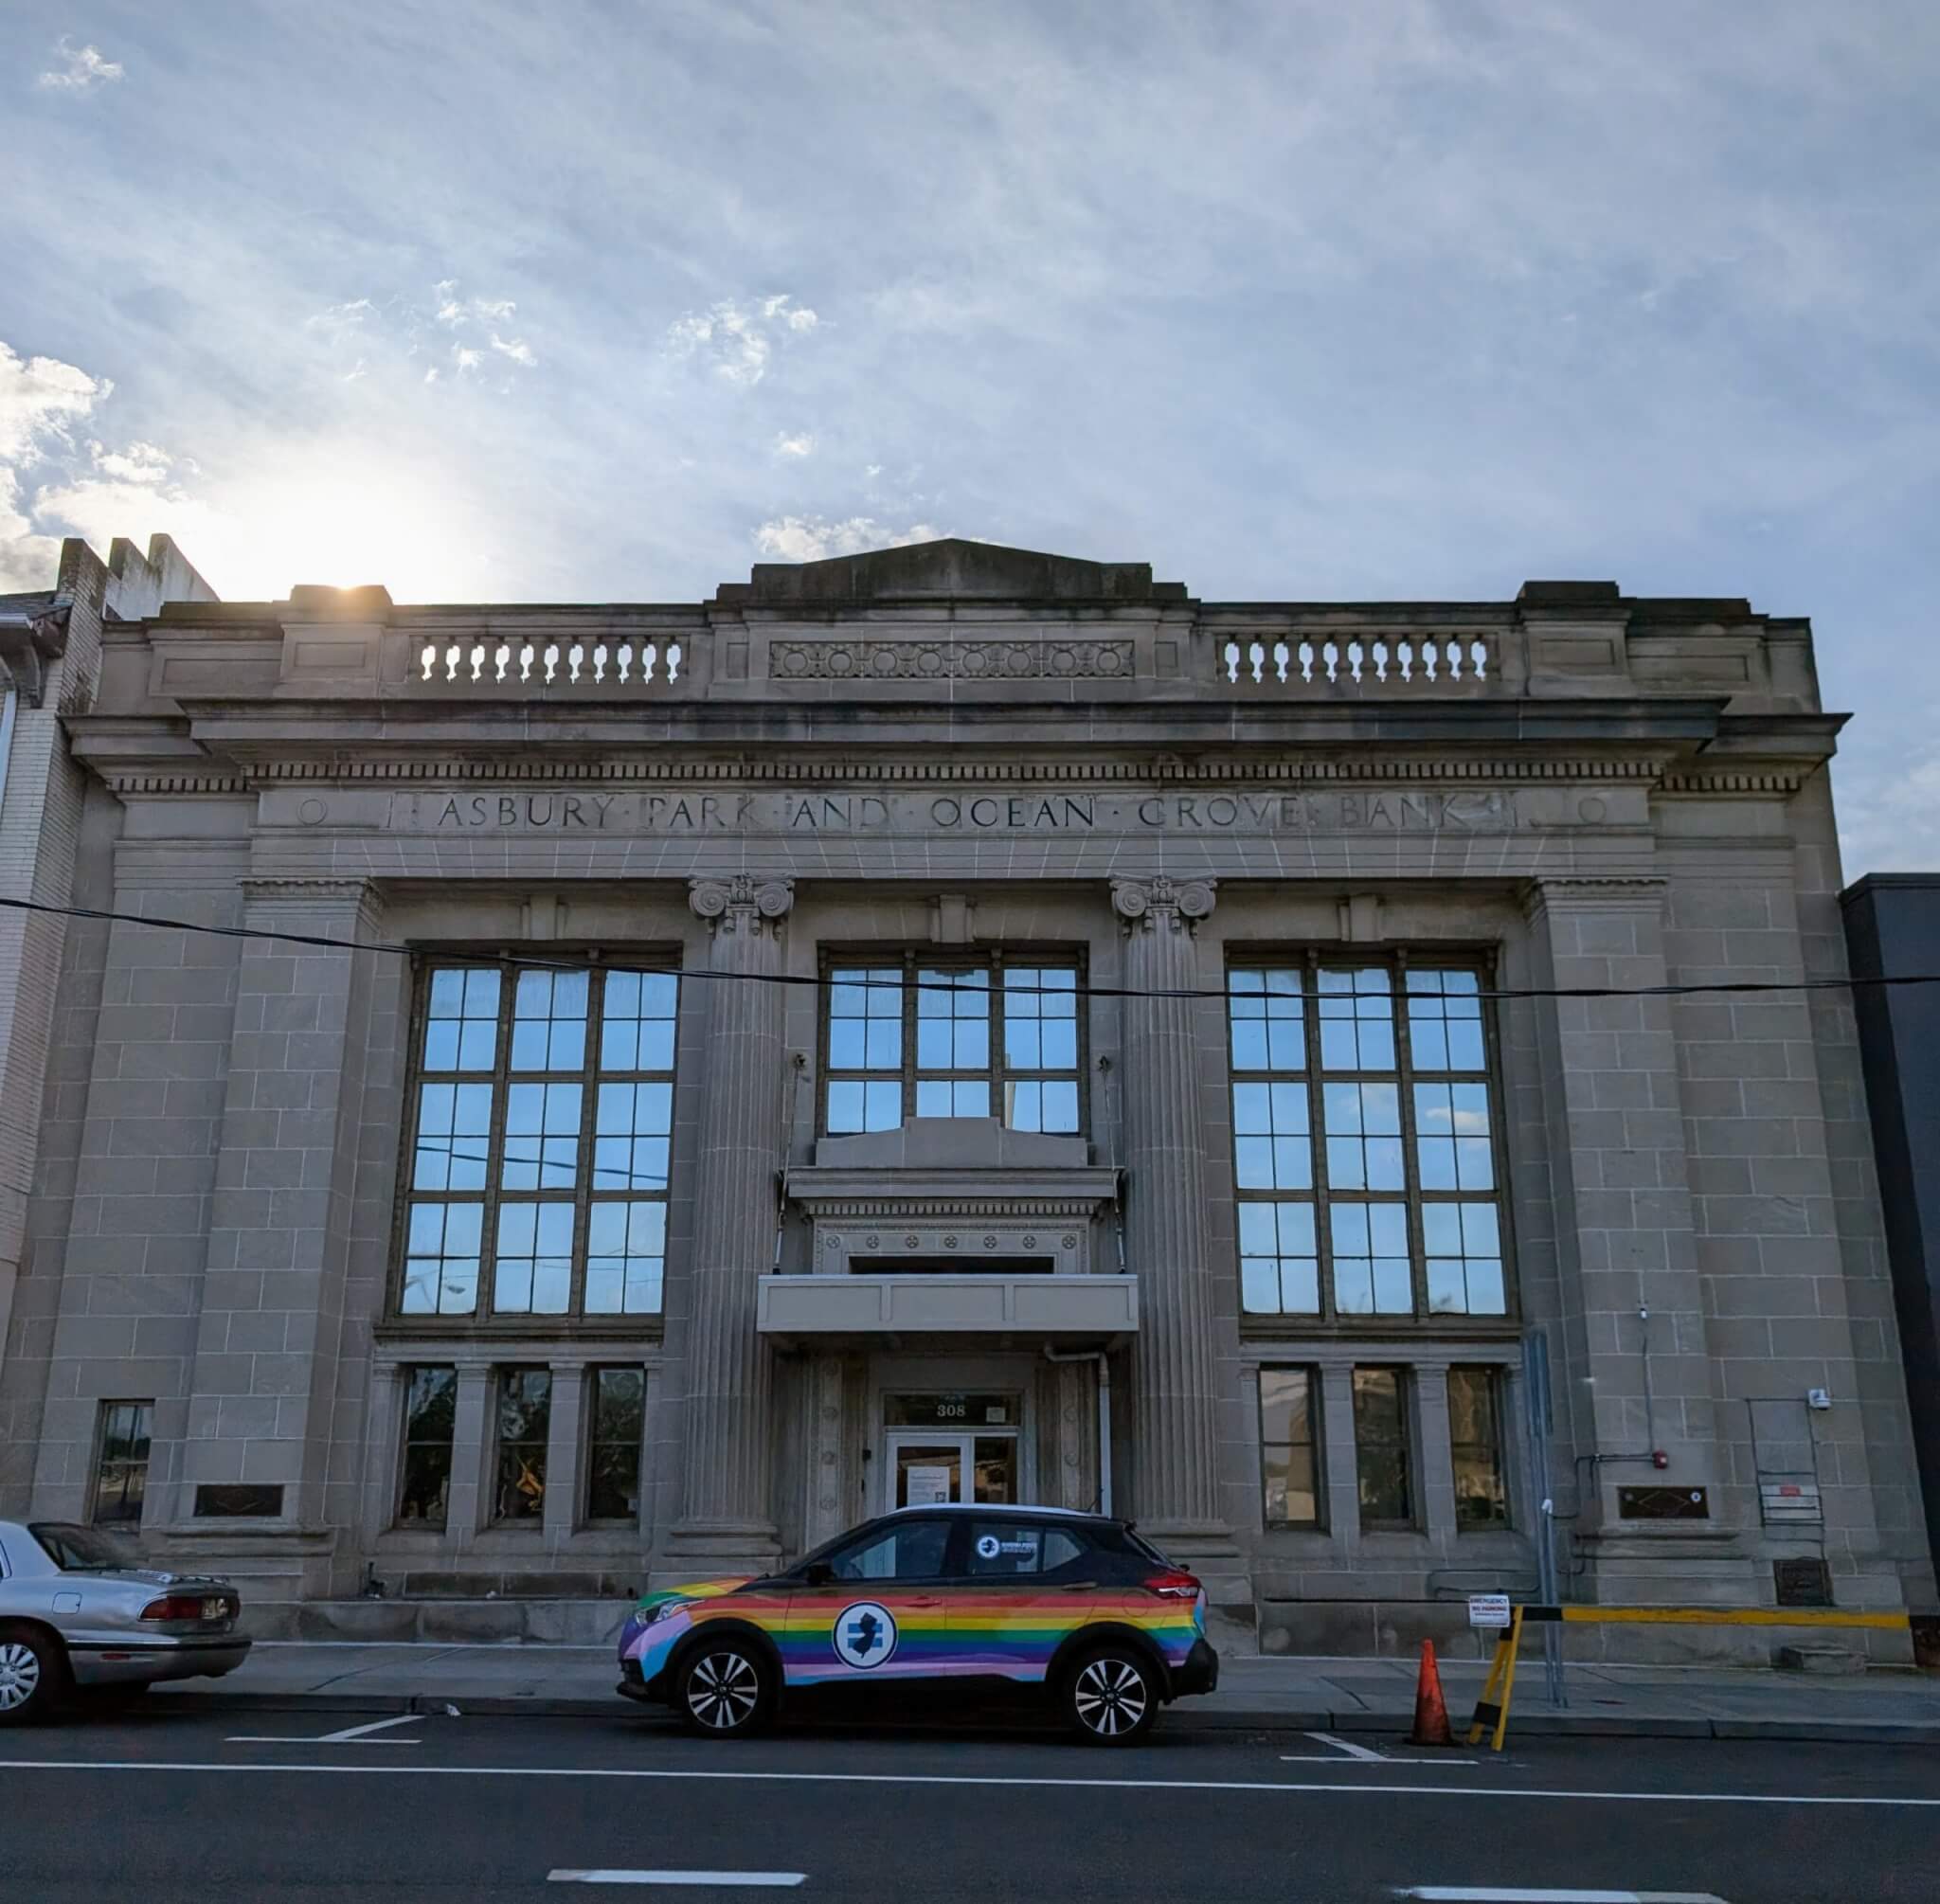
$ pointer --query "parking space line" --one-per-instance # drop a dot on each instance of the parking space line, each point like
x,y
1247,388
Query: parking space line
x,y
349,1735
1492,1894
774,1879
1361,1753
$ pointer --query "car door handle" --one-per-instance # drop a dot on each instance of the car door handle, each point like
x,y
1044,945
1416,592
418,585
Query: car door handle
x,y
914,1602
1079,1587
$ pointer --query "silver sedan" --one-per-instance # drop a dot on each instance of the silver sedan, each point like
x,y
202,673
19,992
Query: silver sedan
x,y
77,1611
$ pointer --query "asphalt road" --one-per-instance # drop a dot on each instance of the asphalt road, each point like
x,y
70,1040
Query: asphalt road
x,y
174,1805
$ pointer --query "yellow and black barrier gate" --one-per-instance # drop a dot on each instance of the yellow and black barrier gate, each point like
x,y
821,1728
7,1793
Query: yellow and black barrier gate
x,y
1492,1708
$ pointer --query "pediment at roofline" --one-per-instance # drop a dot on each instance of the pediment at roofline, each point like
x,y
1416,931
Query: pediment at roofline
x,y
951,569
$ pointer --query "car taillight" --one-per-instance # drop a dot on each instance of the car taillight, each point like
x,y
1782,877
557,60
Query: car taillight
x,y
175,1606
1172,1586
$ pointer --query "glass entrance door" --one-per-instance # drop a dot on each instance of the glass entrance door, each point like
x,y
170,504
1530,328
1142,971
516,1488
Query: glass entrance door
x,y
927,1469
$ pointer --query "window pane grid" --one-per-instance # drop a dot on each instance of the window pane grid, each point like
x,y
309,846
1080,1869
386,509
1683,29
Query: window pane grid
x,y
1289,1448
539,1159
1387,1163
1474,1434
939,1039
615,1430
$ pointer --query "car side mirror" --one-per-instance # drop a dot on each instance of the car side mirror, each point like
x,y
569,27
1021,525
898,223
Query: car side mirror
x,y
818,1573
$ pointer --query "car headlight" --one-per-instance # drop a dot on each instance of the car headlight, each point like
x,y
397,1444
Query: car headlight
x,y
664,1611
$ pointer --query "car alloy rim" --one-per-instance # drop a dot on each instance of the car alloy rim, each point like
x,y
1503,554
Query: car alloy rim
x,y
721,1690
20,1674
1111,1696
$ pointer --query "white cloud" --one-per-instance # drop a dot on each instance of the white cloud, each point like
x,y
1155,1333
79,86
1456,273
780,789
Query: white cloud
x,y
85,69
466,359
801,444
455,311
431,375
38,398
813,538
138,463
338,319
739,339
516,348
356,371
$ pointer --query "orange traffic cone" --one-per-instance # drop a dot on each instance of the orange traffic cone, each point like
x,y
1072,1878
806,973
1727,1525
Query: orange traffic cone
x,y
1431,1713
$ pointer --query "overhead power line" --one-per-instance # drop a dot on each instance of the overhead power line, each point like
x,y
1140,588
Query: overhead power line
x,y
1729,988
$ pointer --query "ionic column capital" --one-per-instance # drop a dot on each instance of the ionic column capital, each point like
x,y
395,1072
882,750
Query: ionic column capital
x,y
741,902
1163,905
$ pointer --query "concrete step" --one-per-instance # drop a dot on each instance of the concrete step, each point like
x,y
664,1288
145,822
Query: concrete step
x,y
443,1620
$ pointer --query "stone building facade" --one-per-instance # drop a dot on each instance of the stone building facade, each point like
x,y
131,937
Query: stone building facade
x,y
962,1023
51,657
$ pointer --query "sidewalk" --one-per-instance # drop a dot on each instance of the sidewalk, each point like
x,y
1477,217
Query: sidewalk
x,y
1269,1694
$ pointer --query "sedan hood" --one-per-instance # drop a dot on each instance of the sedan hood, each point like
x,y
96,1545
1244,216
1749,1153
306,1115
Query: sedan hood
x,y
689,1590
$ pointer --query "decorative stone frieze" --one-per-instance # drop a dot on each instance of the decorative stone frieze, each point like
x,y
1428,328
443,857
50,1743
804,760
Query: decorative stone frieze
x,y
950,660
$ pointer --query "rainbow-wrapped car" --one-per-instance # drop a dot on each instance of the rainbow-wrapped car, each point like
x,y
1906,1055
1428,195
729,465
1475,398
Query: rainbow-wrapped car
x,y
1074,1606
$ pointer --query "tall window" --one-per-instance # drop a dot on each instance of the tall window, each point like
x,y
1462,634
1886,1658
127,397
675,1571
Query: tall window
x,y
525,1426
1363,1145
543,1115
1383,1450
613,1444
431,1406
121,1462
1289,1446
1475,1431
969,1038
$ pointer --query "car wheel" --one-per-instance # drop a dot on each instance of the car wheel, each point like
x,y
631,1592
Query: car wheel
x,y
1111,1696
32,1673
725,1689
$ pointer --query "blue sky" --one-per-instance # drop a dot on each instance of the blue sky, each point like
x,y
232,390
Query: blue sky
x,y
604,301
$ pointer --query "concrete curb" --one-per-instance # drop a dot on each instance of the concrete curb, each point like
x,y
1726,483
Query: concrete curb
x,y
1182,1717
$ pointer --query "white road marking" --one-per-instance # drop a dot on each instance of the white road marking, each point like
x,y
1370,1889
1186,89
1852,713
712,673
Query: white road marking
x,y
349,1735
776,1879
1363,1789
1411,1764
1361,1753
1487,1894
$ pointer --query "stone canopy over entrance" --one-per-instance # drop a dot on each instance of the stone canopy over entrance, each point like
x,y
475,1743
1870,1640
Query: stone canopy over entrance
x,y
672,1040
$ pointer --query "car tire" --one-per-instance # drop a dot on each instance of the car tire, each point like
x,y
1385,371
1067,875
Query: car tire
x,y
1110,1695
33,1676
724,1689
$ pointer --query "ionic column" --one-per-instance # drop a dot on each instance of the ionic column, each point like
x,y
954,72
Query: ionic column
x,y
729,1378
1177,1477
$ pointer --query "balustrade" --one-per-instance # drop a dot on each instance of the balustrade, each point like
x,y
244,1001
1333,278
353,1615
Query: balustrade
x,y
1322,664
624,663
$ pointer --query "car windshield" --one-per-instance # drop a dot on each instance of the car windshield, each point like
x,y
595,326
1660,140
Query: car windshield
x,y
83,1550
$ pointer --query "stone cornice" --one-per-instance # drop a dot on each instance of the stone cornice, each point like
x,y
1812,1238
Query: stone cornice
x,y
177,785
1742,782
1151,770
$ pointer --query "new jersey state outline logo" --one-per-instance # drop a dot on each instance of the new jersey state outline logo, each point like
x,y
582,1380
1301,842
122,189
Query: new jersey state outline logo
x,y
865,1634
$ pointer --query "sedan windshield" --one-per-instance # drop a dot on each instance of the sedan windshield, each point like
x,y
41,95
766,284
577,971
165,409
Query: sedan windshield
x,y
83,1550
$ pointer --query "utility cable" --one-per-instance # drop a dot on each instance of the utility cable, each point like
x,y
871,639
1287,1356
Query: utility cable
x,y
1733,987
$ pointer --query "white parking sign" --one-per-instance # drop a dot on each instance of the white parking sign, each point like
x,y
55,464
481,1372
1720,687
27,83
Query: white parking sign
x,y
1488,1609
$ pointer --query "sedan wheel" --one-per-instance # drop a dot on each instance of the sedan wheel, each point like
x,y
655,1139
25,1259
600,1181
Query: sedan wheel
x,y
30,1677
724,1691
1110,1700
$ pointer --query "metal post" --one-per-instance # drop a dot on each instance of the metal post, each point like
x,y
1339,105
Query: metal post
x,y
1537,1422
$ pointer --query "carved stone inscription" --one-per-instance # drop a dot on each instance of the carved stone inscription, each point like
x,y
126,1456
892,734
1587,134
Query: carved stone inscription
x,y
1187,815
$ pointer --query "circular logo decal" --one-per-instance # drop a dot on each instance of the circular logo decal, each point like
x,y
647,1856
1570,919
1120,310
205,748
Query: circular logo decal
x,y
987,1547
865,1634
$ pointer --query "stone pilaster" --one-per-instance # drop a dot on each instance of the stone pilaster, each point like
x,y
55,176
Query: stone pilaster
x,y
728,1517
1627,1383
1176,1484
565,1486
263,1392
